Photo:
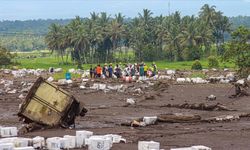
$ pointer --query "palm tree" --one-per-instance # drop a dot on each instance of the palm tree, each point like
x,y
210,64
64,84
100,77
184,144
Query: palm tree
x,y
81,44
207,13
172,37
53,41
190,38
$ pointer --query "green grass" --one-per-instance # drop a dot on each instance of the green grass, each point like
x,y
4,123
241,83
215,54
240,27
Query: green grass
x,y
187,65
52,61
46,62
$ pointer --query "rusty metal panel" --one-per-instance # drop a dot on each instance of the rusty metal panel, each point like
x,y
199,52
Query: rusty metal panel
x,y
48,104
43,114
53,96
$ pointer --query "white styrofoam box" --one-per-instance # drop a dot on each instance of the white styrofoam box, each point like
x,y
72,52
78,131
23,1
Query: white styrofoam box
x,y
8,140
23,142
53,143
99,143
24,148
71,140
6,146
64,143
115,138
148,145
183,148
200,147
8,131
150,120
81,136
38,142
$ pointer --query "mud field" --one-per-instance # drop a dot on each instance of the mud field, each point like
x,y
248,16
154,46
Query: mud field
x,y
108,111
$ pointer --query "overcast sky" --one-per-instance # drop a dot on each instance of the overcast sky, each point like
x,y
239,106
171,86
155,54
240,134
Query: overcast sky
x,y
57,9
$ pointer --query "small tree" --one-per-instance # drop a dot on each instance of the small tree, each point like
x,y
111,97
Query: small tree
x,y
5,56
238,50
197,65
213,62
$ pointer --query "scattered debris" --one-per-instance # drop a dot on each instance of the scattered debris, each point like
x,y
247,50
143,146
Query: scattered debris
x,y
130,101
12,91
198,80
178,118
201,106
50,79
150,120
160,85
198,147
230,77
241,89
211,97
148,145
183,80
223,118
58,70
170,72
21,96
82,87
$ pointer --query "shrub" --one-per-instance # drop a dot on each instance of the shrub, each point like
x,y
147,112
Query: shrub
x,y
196,65
5,56
213,62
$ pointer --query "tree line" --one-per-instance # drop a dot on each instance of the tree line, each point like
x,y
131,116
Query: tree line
x,y
174,38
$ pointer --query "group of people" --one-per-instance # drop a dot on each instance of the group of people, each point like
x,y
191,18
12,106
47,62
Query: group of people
x,y
137,69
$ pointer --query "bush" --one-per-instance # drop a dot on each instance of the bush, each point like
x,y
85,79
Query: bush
x,y
5,56
213,62
197,65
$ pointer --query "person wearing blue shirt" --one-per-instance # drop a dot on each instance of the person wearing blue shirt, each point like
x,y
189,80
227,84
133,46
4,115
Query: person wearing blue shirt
x,y
110,70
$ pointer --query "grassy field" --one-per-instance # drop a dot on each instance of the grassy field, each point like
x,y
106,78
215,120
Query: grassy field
x,y
52,61
46,62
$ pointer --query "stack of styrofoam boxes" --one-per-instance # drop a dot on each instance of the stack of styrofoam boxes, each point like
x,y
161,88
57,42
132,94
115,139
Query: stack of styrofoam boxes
x,y
6,146
8,131
14,143
8,143
54,143
38,142
148,145
198,147
115,138
71,140
81,136
99,142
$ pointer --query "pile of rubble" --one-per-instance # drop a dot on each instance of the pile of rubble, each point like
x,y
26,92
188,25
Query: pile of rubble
x,y
9,88
24,72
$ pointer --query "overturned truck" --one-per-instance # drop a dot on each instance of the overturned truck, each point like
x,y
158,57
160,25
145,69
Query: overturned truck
x,y
48,105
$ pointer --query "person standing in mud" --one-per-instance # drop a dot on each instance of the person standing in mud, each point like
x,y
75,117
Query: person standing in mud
x,y
141,70
154,68
104,70
91,71
110,70
118,71
145,69
98,71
